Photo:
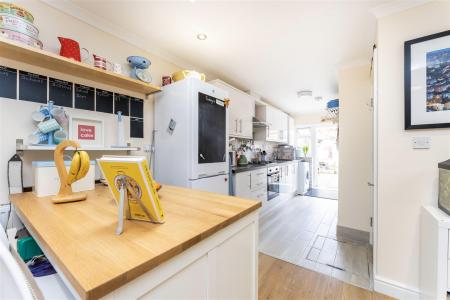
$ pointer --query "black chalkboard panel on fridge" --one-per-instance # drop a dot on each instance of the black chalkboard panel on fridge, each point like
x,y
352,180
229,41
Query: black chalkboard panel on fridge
x,y
136,128
122,103
104,101
136,107
60,92
84,97
32,87
8,82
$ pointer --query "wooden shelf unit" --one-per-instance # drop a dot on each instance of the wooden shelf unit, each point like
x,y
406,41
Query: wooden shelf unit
x,y
55,62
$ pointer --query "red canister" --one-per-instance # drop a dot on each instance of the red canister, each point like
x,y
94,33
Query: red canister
x,y
166,80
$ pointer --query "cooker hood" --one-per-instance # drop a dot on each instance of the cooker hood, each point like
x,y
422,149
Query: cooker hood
x,y
259,124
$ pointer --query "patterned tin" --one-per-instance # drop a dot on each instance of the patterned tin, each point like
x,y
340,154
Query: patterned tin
x,y
12,9
15,23
20,37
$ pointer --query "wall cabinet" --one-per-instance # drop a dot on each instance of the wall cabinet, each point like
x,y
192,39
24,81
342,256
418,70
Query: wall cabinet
x,y
291,128
240,111
277,121
251,184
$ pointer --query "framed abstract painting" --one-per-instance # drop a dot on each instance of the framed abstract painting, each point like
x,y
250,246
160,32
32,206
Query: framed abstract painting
x,y
427,82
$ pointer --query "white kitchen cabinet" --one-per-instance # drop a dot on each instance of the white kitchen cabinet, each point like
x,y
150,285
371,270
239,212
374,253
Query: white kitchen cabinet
x,y
237,253
224,266
291,129
251,184
288,177
277,121
295,177
241,110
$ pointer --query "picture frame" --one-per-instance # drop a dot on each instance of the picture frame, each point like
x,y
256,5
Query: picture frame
x,y
87,132
427,81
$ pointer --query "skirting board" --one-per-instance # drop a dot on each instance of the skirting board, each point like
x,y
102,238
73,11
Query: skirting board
x,y
395,289
352,234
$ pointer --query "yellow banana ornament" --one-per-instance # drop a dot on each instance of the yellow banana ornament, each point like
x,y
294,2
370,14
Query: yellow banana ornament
x,y
79,167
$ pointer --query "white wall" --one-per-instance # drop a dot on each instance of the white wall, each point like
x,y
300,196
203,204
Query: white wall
x,y
355,148
309,119
407,178
15,115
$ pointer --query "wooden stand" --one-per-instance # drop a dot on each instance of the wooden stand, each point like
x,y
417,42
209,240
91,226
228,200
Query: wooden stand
x,y
65,193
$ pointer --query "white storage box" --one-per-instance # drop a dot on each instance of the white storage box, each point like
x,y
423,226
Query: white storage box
x,y
46,179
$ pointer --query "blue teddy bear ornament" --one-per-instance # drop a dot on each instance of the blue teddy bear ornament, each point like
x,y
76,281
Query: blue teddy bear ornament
x,y
138,65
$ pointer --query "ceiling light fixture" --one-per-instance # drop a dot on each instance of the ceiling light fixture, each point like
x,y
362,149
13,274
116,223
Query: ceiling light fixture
x,y
202,36
318,98
304,93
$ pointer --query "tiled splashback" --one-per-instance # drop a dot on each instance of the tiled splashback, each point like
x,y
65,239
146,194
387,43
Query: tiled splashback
x,y
251,147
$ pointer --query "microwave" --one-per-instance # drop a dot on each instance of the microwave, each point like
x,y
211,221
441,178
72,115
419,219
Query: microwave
x,y
285,152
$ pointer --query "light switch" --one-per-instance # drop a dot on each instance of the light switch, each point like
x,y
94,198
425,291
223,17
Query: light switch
x,y
421,142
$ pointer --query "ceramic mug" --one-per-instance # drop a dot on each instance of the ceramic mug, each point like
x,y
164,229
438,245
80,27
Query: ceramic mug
x,y
117,68
40,115
48,126
59,136
100,62
37,138
60,116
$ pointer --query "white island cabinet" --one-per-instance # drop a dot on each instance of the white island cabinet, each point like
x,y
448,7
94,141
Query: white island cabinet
x,y
206,249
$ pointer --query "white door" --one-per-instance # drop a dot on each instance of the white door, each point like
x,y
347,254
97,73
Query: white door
x,y
214,184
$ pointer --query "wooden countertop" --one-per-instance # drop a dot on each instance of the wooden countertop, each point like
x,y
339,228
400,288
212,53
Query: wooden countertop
x,y
80,236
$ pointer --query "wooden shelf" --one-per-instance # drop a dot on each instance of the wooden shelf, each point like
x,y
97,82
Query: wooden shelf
x,y
52,147
55,62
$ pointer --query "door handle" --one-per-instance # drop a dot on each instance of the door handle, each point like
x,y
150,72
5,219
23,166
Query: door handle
x,y
202,157
370,184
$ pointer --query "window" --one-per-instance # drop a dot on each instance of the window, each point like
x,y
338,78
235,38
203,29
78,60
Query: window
x,y
304,140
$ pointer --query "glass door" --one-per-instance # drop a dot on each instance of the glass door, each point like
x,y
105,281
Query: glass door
x,y
211,130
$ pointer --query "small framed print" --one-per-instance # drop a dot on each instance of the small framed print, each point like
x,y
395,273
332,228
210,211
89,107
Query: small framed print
x,y
427,82
87,132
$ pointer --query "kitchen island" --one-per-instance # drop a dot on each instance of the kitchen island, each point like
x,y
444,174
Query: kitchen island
x,y
206,249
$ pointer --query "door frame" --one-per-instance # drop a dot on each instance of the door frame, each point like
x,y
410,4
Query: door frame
x,y
375,111
314,149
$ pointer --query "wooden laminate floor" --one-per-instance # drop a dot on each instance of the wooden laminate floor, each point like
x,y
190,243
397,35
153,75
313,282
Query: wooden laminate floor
x,y
282,280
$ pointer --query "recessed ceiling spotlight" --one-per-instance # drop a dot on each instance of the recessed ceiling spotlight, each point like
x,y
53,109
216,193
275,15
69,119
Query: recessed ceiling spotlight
x,y
304,93
202,36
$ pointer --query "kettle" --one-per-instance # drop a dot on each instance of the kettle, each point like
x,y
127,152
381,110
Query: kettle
x,y
242,160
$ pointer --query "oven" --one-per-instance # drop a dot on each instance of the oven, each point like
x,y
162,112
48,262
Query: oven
x,y
273,182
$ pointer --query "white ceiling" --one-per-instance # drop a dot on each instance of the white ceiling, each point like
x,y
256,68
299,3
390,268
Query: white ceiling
x,y
273,48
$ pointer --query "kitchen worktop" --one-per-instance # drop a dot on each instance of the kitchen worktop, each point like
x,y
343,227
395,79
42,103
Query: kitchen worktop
x,y
79,237
251,167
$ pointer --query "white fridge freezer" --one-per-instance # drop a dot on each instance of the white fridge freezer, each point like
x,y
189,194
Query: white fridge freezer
x,y
215,184
191,136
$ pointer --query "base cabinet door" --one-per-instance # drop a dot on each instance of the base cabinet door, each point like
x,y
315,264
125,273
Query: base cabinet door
x,y
190,283
235,271
243,185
